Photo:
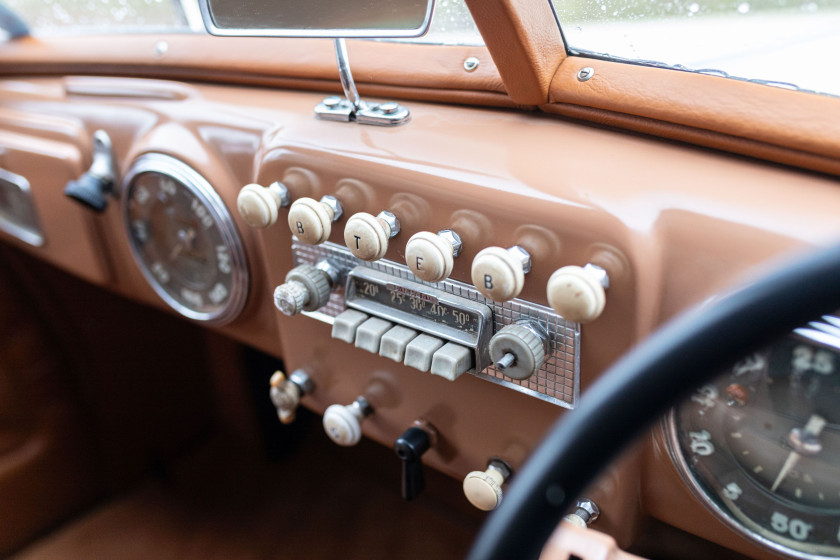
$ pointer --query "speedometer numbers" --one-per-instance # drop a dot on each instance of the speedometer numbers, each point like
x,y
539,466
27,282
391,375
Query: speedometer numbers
x,y
761,447
184,239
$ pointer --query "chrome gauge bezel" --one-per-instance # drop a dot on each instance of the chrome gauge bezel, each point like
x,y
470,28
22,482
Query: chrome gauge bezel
x,y
204,192
742,525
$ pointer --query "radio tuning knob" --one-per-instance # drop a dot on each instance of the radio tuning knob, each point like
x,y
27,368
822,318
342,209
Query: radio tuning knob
x,y
307,288
311,220
431,256
259,205
499,273
578,293
518,350
286,392
367,236
483,489
343,424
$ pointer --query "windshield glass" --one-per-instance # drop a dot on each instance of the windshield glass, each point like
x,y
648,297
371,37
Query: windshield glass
x,y
784,42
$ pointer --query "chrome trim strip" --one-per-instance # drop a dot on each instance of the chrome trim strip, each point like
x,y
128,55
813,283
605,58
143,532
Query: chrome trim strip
x,y
32,233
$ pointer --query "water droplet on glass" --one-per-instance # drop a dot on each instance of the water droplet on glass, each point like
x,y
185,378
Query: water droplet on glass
x,y
743,7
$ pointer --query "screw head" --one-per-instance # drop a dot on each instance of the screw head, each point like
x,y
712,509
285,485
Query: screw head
x,y
585,73
389,107
471,64
332,102
392,221
334,205
454,239
161,48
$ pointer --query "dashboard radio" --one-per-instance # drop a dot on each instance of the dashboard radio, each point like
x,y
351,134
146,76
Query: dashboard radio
x,y
448,328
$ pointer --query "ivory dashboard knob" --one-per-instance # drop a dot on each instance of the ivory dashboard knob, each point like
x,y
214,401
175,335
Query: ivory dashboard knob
x,y
307,288
518,350
499,273
367,235
343,424
311,220
431,256
286,392
259,205
578,293
483,489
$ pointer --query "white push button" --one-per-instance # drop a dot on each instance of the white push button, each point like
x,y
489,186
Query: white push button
x,y
345,325
367,236
311,220
431,256
451,361
578,293
499,273
258,205
370,333
394,342
419,352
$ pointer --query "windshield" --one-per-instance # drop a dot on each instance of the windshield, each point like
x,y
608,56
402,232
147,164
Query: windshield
x,y
785,42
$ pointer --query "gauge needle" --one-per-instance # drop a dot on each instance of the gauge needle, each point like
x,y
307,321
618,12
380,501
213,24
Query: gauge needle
x,y
803,442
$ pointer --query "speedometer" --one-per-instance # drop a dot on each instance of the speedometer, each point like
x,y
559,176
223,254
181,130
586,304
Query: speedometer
x,y
184,239
761,445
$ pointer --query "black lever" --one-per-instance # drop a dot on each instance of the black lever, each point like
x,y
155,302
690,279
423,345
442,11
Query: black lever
x,y
410,447
97,182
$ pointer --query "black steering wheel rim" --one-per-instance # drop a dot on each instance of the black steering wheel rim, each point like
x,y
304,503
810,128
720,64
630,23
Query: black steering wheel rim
x,y
642,386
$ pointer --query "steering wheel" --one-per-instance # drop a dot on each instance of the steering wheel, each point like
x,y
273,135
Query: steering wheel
x,y
642,386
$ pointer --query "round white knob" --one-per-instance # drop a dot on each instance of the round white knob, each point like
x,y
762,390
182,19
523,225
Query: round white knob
x,y
499,273
311,220
518,350
483,489
259,205
367,236
431,256
343,424
577,293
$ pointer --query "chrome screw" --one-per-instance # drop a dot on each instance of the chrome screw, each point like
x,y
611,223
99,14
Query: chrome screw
x,y
471,63
585,73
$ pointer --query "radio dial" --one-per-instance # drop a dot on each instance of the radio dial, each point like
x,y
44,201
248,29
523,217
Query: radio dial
x,y
431,256
367,236
518,350
307,288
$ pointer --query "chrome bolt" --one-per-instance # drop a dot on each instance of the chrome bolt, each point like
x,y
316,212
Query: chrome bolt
x,y
389,108
332,102
523,256
585,73
471,63
334,205
599,273
391,220
454,239
587,510
282,192
161,47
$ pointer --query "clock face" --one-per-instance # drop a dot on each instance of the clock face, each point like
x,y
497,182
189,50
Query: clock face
x,y
184,240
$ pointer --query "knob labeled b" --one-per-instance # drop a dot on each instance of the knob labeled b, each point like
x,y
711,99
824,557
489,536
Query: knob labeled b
x,y
367,235
431,256
499,273
311,220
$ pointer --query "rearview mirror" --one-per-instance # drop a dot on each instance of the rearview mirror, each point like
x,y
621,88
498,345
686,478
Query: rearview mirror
x,y
317,18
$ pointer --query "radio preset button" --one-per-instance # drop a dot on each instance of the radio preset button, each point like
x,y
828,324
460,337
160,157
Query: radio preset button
x,y
367,236
345,325
395,341
419,352
451,361
431,256
369,334
499,273
311,220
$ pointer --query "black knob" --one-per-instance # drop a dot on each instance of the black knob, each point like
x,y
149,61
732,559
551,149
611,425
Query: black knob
x,y
410,447
90,190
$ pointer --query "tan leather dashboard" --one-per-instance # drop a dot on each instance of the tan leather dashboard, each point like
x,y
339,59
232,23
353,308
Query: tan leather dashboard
x,y
672,226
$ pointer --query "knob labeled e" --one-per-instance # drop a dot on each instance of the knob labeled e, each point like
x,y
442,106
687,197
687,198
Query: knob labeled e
x,y
431,256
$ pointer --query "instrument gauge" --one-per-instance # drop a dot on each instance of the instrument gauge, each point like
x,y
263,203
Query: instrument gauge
x,y
184,240
760,445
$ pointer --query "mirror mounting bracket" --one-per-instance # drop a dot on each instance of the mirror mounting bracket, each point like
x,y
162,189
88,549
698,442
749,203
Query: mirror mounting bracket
x,y
352,107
